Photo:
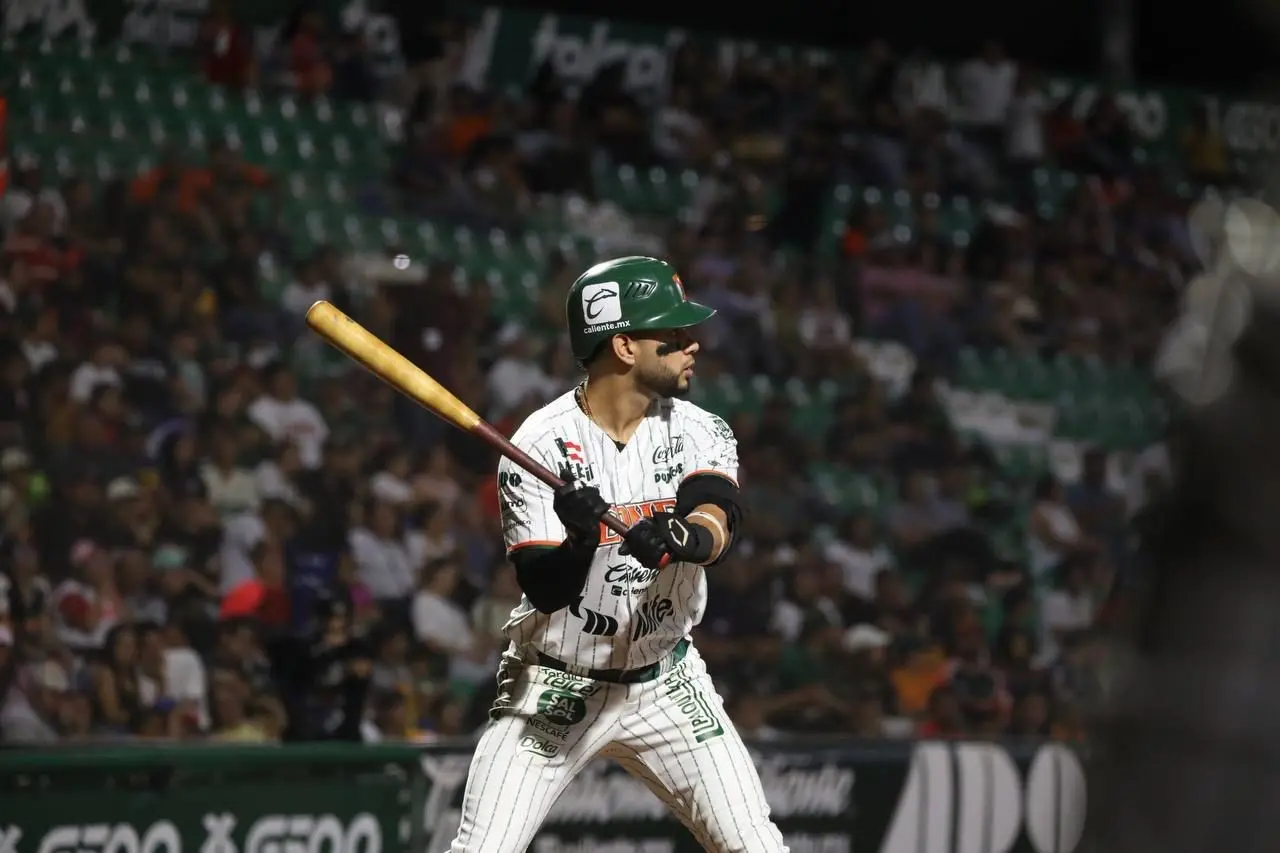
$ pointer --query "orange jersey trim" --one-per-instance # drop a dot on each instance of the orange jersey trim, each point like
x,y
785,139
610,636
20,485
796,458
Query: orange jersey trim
x,y
533,543
713,471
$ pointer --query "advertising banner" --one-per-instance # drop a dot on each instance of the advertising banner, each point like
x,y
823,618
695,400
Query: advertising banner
x,y
892,797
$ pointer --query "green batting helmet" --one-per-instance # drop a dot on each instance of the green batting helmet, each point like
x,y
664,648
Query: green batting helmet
x,y
627,295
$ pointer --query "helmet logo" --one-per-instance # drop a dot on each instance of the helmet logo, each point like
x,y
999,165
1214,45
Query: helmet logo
x,y
600,303
680,287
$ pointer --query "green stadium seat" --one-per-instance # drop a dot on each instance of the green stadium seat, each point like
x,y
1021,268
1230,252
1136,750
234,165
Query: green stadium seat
x,y
815,408
722,395
1021,462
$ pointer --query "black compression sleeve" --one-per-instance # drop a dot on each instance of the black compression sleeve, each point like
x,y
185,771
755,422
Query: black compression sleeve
x,y
551,578
710,489
717,491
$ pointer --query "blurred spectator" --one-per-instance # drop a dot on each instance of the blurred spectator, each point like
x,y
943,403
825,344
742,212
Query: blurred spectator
x,y
383,560
353,75
226,48
307,61
1070,607
1025,136
1054,532
987,86
33,706
23,193
1204,149
285,417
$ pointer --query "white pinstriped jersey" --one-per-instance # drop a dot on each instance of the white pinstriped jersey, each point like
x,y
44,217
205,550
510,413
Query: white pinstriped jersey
x,y
627,616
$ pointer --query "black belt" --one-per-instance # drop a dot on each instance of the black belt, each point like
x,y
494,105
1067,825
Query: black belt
x,y
619,676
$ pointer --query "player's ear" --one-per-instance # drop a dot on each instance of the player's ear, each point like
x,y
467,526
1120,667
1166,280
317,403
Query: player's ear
x,y
626,349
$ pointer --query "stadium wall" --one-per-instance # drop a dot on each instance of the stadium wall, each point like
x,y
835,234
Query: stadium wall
x,y
827,797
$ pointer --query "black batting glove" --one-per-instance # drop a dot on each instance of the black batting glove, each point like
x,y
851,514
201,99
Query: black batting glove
x,y
655,541
645,543
580,508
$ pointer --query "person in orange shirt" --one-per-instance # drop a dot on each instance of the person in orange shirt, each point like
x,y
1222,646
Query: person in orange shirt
x,y
922,672
470,122
146,185
222,165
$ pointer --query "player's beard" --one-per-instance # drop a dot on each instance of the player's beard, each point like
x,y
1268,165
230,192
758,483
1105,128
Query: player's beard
x,y
661,381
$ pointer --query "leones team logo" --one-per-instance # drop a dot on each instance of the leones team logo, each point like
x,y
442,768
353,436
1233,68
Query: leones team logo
x,y
600,303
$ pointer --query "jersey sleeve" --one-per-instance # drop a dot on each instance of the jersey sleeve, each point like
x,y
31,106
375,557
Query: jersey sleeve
x,y
528,518
713,448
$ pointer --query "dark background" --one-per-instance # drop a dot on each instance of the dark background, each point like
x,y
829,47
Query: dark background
x,y
1229,44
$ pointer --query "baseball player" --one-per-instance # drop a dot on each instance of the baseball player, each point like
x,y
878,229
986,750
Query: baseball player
x,y
600,662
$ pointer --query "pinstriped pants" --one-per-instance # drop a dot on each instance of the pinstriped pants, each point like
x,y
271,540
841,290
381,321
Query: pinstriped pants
x,y
670,733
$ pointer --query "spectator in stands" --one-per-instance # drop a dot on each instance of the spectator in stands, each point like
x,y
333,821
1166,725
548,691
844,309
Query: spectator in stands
x,y
1030,716
117,693
1054,532
284,416
383,561
945,718
353,74
1070,607
226,49
308,65
1108,146
1204,150
1099,511
32,710
1025,147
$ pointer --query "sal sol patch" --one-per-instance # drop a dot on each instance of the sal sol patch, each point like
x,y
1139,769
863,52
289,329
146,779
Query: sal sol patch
x,y
561,708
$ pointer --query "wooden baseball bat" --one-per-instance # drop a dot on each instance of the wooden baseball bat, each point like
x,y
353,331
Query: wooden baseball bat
x,y
377,356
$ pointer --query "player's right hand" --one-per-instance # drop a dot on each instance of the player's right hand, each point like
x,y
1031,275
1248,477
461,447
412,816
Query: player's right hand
x,y
646,544
580,508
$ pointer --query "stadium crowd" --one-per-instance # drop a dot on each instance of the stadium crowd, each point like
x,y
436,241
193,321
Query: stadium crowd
x,y
201,540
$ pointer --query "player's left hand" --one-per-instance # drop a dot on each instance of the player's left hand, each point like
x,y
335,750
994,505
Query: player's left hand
x,y
656,541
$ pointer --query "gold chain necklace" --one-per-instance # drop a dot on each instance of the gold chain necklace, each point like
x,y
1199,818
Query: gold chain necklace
x,y
584,405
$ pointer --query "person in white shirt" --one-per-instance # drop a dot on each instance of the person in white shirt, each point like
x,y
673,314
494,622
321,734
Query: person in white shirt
x,y
822,323
306,289
1053,532
391,483
1150,476
241,536
30,707
232,489
284,416
382,558
1069,608
1025,121
39,340
806,600
859,556
516,376
24,193
677,133
435,483
443,626
1024,137
433,539
921,84
102,368
986,89
275,478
